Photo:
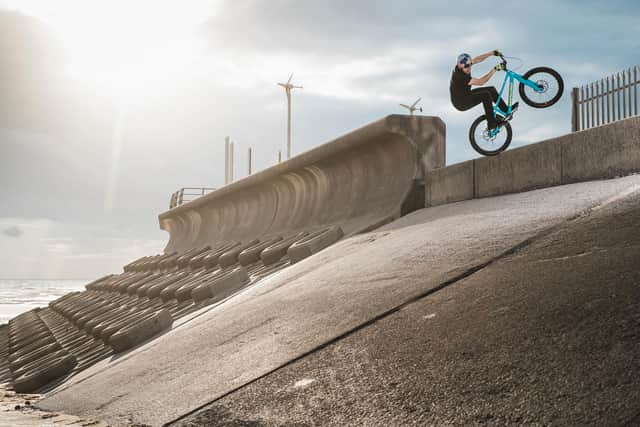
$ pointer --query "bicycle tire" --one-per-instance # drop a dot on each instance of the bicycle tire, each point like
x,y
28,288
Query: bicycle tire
x,y
544,104
476,146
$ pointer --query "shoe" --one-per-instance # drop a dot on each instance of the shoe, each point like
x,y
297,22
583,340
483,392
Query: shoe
x,y
508,117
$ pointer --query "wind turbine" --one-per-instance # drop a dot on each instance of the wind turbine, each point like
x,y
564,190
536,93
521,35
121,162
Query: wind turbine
x,y
413,107
287,88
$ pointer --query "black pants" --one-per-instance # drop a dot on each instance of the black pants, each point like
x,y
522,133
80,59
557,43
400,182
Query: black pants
x,y
485,95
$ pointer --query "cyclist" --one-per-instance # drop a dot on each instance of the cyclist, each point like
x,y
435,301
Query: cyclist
x,y
463,97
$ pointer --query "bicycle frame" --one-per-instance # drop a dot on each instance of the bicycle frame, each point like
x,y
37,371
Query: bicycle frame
x,y
511,76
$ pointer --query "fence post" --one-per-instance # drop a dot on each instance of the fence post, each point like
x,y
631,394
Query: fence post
x,y
574,109
635,88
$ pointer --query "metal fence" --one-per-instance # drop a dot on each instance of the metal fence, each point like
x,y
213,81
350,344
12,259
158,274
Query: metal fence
x,y
607,100
187,194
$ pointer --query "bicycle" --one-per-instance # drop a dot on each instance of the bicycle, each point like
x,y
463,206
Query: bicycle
x,y
540,87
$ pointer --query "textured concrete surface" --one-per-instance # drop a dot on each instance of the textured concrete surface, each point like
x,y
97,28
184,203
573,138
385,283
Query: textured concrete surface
x,y
602,152
548,335
317,301
354,181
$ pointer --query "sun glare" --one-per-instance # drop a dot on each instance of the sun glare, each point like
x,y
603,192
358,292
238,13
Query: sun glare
x,y
128,47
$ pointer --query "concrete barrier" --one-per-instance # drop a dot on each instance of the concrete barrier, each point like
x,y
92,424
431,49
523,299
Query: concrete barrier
x,y
598,153
354,181
450,184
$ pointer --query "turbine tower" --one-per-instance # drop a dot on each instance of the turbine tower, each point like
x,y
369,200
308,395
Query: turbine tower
x,y
287,88
412,107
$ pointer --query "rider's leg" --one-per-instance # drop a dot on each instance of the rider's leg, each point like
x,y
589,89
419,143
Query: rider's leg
x,y
484,95
494,95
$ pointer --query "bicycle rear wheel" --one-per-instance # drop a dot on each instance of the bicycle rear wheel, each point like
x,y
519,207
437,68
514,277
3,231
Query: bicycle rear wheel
x,y
551,85
486,143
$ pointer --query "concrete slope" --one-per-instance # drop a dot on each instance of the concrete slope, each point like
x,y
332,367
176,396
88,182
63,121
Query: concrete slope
x,y
358,180
318,300
549,335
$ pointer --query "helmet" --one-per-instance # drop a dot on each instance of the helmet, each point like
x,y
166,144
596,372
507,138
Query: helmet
x,y
464,59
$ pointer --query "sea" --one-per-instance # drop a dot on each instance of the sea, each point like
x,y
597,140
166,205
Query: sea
x,y
20,295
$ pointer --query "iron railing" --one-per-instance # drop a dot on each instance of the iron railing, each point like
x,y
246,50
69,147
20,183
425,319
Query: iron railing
x,y
187,194
607,100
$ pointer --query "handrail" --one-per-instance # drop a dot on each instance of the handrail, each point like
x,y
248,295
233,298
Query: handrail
x,y
187,194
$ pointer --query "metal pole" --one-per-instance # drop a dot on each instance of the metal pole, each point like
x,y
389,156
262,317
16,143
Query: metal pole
x,y
630,92
288,123
279,156
231,163
226,159
602,96
574,109
591,98
624,96
618,95
582,108
635,88
597,99
608,103
249,160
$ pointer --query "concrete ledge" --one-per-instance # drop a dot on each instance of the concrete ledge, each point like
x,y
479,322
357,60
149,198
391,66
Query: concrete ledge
x,y
450,184
526,168
602,152
599,153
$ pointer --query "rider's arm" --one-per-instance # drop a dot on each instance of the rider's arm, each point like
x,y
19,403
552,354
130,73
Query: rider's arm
x,y
482,57
482,80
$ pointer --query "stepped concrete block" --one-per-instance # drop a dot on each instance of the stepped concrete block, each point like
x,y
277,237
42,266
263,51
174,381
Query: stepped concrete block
x,y
139,332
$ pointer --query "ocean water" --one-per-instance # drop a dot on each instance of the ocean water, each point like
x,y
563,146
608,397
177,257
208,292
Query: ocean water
x,y
18,296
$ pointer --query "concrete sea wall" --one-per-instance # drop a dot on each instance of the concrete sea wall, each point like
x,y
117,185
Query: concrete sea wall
x,y
356,181
598,153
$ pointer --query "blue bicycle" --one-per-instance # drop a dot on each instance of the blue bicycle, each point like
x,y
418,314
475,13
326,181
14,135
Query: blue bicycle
x,y
540,87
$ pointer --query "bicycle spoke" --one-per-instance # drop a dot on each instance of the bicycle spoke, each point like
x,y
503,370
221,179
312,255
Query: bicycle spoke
x,y
488,140
549,87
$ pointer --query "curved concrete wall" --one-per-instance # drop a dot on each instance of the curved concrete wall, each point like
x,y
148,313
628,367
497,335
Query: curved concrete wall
x,y
355,181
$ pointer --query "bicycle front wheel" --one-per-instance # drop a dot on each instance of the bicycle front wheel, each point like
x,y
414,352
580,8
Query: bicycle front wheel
x,y
486,142
550,84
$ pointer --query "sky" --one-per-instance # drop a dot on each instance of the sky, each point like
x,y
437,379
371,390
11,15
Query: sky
x,y
107,107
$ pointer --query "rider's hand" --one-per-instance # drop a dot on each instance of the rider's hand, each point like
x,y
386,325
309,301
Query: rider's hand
x,y
499,67
497,53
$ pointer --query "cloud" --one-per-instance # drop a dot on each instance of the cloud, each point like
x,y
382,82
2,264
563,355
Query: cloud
x,y
31,76
13,231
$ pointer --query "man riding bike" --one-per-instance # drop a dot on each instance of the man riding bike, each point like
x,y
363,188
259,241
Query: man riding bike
x,y
463,97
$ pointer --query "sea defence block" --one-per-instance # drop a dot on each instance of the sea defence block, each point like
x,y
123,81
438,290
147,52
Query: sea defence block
x,y
602,152
140,331
355,181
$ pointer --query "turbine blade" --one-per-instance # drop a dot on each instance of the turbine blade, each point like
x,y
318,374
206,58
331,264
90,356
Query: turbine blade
x,y
415,103
290,77
405,106
282,84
